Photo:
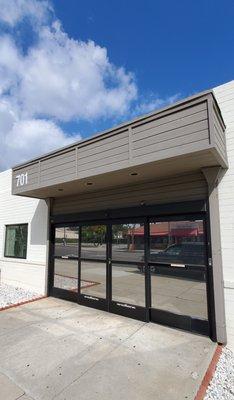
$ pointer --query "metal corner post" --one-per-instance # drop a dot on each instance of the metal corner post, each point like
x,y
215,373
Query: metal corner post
x,y
47,273
212,175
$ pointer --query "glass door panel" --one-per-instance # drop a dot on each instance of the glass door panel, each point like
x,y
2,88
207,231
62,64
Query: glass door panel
x,y
93,262
177,264
128,284
93,244
127,273
66,274
66,241
66,258
179,295
93,278
128,242
179,242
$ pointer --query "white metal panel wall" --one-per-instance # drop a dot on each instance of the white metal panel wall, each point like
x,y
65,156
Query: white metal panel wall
x,y
225,97
29,273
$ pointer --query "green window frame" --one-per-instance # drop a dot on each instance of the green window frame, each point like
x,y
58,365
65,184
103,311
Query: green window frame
x,y
16,240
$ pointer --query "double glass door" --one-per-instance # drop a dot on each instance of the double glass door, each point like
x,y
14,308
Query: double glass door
x,y
150,268
80,263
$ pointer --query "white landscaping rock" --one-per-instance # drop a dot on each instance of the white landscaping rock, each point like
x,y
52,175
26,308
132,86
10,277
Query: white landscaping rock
x,y
222,384
13,295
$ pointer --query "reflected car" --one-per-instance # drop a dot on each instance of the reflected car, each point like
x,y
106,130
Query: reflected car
x,y
188,253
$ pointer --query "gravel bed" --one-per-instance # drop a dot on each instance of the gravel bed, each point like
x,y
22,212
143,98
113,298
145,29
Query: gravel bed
x,y
222,384
13,295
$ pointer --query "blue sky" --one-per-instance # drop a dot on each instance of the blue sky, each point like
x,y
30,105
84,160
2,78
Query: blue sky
x,y
173,47
69,69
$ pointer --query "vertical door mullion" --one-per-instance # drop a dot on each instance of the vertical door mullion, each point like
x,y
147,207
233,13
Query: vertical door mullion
x,y
147,272
79,261
108,264
111,239
51,259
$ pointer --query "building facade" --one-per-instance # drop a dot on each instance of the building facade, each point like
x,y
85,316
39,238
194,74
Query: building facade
x,y
137,218
27,218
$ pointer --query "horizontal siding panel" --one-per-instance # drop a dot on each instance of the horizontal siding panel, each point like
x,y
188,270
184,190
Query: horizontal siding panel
x,y
219,145
219,135
177,133
32,171
105,155
172,143
172,151
172,117
65,159
142,142
228,116
59,168
103,145
103,162
219,129
103,169
33,176
181,122
58,179
222,92
57,173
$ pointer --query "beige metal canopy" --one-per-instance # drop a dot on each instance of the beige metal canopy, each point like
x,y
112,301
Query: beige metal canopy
x,y
184,137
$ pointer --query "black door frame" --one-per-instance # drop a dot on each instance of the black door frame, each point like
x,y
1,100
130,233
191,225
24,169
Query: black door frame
x,y
181,321
86,299
193,209
122,308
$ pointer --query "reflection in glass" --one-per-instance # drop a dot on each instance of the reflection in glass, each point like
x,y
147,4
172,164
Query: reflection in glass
x,y
93,244
66,241
16,241
128,284
128,242
93,278
178,290
177,242
66,274
179,295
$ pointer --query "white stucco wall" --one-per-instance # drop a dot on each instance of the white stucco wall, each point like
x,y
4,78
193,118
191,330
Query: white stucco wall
x,y
225,97
29,273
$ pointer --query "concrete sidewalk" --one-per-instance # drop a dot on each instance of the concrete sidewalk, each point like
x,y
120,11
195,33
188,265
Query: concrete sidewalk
x,y
56,350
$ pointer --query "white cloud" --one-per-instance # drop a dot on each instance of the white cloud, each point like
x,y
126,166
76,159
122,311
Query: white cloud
x,y
70,79
14,11
64,79
148,105
56,79
24,139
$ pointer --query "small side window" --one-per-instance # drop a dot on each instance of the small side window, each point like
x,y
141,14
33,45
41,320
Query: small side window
x,y
16,241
